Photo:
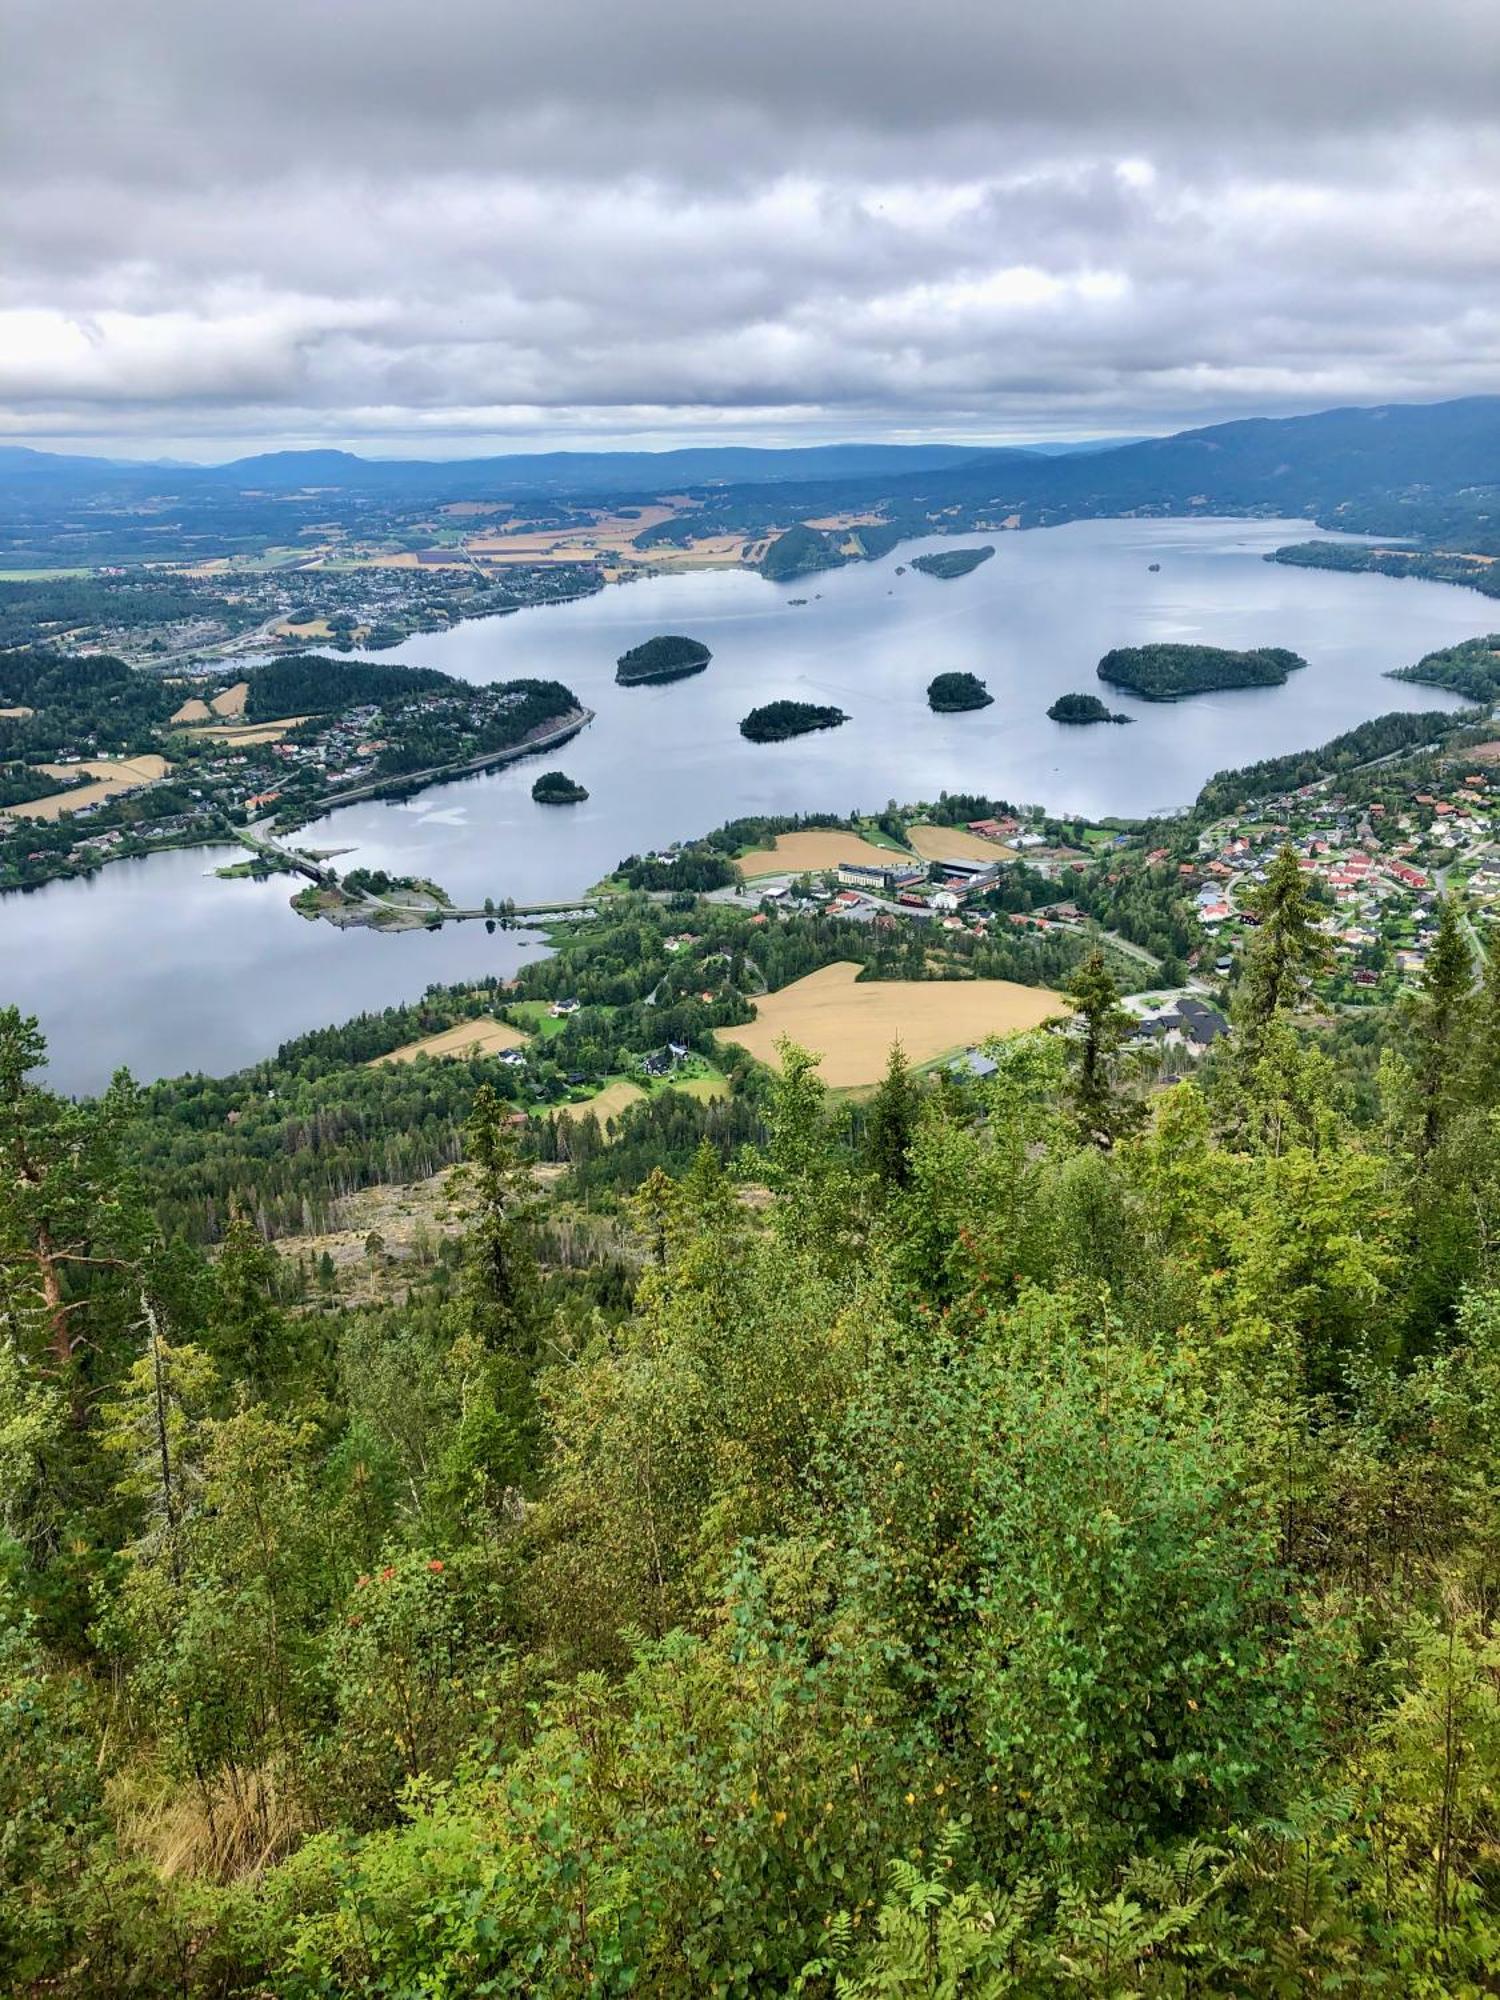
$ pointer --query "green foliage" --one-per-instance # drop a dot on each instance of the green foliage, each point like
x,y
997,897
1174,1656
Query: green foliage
x,y
665,658
1082,708
1166,670
1471,668
774,721
949,693
947,564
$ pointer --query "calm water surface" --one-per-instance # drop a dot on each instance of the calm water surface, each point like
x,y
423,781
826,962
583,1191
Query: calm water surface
x,y
157,964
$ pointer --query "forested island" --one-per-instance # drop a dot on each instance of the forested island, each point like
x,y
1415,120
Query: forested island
x,y
1082,708
556,788
1471,668
668,657
774,721
948,564
1168,671
949,693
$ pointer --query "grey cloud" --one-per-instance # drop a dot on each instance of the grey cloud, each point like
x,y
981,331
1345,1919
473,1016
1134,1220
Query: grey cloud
x,y
463,221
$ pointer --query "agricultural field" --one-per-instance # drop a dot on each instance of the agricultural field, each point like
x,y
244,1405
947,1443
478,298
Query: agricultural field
x,y
609,1102
956,843
853,1025
466,1038
111,775
814,852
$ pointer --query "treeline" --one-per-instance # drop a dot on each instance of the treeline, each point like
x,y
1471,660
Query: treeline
x,y
1435,565
310,684
1383,736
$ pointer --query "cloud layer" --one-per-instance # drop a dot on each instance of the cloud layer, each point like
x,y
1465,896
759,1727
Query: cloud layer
x,y
436,227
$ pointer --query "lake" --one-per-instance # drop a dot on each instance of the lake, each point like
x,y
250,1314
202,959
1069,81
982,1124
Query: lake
x,y
157,964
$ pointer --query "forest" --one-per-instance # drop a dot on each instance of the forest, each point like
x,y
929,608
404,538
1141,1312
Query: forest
x,y
1025,1536
89,704
775,721
1167,671
668,657
1080,708
948,564
1471,668
952,692
1402,731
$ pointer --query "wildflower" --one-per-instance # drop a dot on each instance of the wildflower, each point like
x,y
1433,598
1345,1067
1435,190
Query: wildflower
x,y
436,1567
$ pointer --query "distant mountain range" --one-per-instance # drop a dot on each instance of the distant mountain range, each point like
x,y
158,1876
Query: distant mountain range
x,y
1426,470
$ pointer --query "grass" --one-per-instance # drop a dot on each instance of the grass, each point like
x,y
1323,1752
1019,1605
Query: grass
x,y
853,1025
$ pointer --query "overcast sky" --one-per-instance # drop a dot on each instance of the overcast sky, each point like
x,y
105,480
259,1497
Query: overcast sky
x,y
470,224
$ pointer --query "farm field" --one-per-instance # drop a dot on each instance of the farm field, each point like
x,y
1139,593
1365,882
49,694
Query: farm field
x,y
244,735
465,1038
814,851
609,1102
956,843
111,775
852,1026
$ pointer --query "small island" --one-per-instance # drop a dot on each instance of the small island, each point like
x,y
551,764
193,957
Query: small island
x,y
1082,708
947,694
1168,671
665,658
556,788
775,721
950,563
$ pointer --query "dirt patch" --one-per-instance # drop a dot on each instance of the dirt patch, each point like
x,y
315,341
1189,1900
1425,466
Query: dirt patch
x,y
956,843
1476,753
852,1026
466,1038
814,853
111,775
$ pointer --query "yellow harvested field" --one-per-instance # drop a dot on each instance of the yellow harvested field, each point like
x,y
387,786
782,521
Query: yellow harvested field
x,y
609,1102
956,843
246,734
15,714
813,852
111,775
232,701
852,1026
192,710
466,1038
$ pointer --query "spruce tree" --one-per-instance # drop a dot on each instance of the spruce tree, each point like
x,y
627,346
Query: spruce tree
x,y
1286,951
892,1122
1102,1113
